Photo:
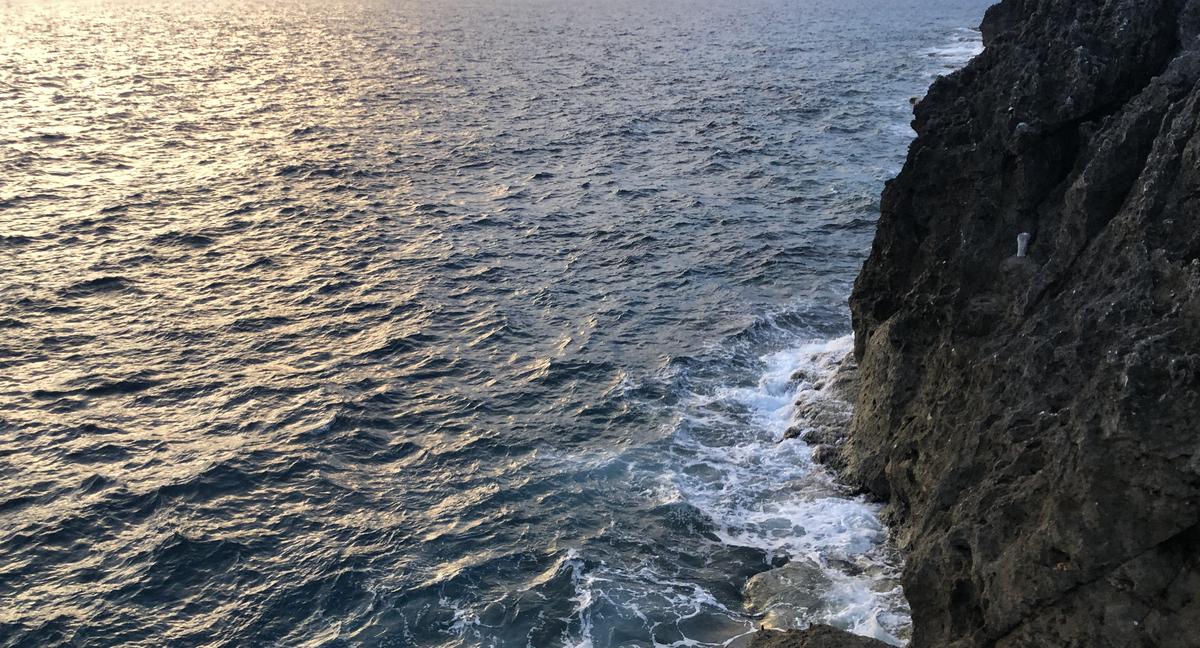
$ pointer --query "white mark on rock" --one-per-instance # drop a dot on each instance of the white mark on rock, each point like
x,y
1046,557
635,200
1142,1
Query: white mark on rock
x,y
1022,243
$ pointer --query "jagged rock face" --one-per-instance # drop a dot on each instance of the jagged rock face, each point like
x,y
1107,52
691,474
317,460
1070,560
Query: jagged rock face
x,y
1034,423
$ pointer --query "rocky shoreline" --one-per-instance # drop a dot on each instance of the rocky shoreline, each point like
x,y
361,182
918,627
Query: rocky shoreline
x,y
1029,419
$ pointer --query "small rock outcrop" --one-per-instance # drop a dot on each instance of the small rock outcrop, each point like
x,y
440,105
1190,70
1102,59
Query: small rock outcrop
x,y
795,590
1032,421
823,410
817,636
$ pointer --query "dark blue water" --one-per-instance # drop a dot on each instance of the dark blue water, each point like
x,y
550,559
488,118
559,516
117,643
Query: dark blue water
x,y
451,323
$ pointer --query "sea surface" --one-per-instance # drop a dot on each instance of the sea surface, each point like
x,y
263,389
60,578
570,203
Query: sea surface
x,y
437,324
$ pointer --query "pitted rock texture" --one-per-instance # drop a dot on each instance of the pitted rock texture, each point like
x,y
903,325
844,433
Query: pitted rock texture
x,y
1034,423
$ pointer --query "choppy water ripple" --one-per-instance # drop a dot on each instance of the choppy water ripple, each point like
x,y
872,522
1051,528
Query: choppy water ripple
x,y
432,324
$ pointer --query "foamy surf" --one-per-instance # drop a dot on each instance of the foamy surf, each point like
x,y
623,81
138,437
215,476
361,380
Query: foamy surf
x,y
961,46
728,526
764,492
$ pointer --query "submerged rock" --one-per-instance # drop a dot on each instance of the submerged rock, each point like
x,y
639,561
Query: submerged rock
x,y
818,636
1031,420
787,595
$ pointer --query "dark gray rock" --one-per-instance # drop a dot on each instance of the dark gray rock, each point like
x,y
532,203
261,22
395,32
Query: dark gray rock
x,y
1032,423
823,413
818,636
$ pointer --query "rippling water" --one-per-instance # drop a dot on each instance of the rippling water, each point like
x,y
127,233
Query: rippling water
x,y
435,324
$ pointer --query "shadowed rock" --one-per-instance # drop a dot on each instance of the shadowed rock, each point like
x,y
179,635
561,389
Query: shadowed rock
x,y
1031,420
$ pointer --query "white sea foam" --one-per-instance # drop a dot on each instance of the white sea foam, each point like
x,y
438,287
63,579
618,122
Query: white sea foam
x,y
464,617
765,492
583,599
962,45
725,457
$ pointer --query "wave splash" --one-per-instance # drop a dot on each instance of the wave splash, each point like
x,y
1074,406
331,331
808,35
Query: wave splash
x,y
764,491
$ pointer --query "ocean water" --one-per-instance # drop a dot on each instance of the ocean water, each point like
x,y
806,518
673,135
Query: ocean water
x,y
458,323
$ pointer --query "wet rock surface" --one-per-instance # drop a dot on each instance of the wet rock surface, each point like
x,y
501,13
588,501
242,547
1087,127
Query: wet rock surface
x,y
823,411
1031,421
782,595
818,636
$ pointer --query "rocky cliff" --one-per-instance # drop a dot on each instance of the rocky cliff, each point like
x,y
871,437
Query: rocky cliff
x,y
1034,421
